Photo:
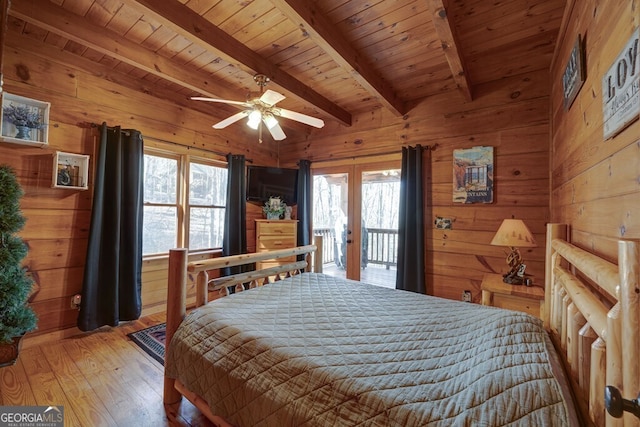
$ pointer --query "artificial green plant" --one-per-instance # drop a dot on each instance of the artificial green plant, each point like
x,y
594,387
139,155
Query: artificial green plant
x,y
16,317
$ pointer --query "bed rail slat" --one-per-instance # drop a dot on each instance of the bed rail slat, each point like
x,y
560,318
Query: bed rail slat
x,y
601,271
577,321
587,337
250,276
231,261
597,382
591,308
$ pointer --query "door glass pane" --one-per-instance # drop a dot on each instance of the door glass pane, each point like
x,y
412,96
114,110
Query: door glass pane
x,y
380,205
330,202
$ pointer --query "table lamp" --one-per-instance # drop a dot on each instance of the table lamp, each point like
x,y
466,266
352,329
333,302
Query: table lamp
x,y
514,233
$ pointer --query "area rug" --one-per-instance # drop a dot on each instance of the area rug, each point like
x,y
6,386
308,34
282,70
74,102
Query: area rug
x,y
151,340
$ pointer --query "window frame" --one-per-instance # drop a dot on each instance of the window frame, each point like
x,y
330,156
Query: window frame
x,y
188,205
182,203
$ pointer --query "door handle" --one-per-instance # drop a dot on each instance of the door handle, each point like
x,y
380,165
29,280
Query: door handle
x,y
348,240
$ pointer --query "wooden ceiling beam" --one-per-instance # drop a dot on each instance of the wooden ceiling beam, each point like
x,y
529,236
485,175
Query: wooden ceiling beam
x,y
189,24
73,27
449,41
309,18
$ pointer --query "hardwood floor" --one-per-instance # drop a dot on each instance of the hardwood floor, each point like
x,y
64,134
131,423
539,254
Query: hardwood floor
x,y
101,379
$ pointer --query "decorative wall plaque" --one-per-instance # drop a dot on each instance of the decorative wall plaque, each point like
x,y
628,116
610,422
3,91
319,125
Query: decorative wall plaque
x,y
574,74
473,175
621,89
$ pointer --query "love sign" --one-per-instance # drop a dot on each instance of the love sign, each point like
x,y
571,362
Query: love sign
x,y
621,89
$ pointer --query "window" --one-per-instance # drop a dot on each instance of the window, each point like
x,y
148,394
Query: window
x,y
203,203
207,199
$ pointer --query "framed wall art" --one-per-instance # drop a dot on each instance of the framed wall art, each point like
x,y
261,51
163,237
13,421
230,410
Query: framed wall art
x,y
70,171
621,89
24,120
574,74
473,175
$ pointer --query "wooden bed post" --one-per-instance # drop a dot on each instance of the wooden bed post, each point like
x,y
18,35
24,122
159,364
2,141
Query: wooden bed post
x,y
630,323
554,231
202,288
176,310
597,381
317,255
614,357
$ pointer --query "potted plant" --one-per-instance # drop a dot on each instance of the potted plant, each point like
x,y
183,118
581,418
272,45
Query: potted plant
x,y
274,207
24,118
16,317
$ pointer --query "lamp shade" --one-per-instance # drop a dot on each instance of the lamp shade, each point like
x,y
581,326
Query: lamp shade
x,y
514,233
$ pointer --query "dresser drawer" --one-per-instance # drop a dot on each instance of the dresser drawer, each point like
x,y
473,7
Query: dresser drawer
x,y
272,242
275,228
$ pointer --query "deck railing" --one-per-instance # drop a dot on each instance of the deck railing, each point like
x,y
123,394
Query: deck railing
x,y
381,245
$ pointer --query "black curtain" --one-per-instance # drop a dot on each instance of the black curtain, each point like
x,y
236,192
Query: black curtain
x,y
234,241
410,274
112,284
304,204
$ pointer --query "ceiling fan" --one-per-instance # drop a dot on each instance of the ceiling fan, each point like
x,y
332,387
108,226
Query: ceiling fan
x,y
261,109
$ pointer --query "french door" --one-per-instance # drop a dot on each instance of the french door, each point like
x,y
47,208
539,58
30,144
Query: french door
x,y
355,209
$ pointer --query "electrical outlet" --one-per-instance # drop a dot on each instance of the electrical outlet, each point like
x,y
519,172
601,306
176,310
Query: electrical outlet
x,y
75,301
466,296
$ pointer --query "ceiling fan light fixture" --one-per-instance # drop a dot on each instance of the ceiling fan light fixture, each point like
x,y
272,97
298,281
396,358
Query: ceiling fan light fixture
x,y
261,109
270,121
254,119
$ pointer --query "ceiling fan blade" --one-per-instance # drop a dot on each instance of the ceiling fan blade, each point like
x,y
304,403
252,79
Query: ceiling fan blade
x,y
229,120
299,117
271,97
224,101
276,132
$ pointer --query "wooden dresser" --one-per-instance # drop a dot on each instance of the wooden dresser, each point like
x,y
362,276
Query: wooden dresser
x,y
276,234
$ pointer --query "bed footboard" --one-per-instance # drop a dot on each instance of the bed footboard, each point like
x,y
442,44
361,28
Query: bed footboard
x,y
592,310
180,271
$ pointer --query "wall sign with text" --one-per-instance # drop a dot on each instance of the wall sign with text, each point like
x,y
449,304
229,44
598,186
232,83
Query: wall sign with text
x,y
621,89
574,74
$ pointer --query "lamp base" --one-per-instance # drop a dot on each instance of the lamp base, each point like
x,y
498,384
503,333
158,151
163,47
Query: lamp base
x,y
513,280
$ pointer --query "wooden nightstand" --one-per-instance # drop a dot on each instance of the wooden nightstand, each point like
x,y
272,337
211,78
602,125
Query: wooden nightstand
x,y
495,292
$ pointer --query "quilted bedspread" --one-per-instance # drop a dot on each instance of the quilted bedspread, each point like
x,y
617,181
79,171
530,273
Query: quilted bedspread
x,y
314,350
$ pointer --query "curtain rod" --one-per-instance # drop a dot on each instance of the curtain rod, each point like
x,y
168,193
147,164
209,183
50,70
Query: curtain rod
x,y
386,153
152,138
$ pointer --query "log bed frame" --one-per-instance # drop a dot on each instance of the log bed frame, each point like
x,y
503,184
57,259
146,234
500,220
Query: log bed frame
x,y
596,333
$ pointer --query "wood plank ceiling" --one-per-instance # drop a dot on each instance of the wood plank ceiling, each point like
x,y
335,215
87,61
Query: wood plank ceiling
x,y
332,59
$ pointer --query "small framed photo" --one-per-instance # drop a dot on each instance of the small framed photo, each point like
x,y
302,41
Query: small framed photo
x,y
443,223
70,171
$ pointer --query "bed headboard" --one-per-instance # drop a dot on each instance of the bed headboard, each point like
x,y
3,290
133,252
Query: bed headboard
x,y
592,311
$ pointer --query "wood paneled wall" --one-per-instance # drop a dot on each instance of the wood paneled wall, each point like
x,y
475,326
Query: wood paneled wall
x,y
58,220
594,182
512,115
